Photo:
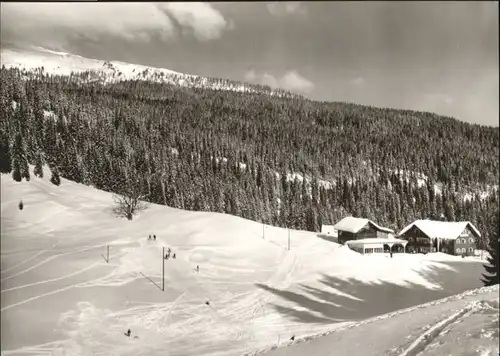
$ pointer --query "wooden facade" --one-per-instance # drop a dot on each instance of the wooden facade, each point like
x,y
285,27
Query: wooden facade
x,y
419,242
369,231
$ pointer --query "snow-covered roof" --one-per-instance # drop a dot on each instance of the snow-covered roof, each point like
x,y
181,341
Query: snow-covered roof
x,y
441,229
353,225
375,241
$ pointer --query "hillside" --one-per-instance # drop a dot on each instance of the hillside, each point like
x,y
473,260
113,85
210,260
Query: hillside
x,y
45,61
246,154
59,295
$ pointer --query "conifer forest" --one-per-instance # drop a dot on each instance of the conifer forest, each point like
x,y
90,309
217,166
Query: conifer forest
x,y
282,160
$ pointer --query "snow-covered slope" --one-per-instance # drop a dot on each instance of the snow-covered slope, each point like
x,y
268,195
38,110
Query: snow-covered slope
x,y
59,294
464,324
60,63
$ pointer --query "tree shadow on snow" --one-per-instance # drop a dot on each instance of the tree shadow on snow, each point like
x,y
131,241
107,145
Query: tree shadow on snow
x,y
361,300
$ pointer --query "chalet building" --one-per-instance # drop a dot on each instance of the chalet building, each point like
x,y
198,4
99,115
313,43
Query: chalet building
x,y
454,238
352,228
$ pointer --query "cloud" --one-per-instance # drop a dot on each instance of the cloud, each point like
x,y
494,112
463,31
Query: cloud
x,y
268,79
285,8
250,76
56,24
437,101
206,22
357,81
291,81
295,82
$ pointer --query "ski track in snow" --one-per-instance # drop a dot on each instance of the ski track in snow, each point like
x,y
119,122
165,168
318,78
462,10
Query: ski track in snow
x,y
50,259
426,338
31,258
53,279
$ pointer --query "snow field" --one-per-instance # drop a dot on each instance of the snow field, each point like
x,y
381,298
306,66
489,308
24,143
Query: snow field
x,y
51,251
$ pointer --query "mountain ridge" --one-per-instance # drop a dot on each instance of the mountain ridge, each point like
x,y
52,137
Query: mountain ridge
x,y
51,62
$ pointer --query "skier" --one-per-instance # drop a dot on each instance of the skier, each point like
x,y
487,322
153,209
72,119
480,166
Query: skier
x,y
149,238
197,268
154,237
166,256
169,250
173,256
21,205
292,338
128,333
207,303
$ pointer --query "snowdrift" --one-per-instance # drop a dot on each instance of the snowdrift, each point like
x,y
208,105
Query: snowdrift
x,y
60,295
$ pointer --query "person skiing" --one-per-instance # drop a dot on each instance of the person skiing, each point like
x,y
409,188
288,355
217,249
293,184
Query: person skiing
x,y
128,333
207,303
154,237
173,256
197,268
169,250
166,256
149,238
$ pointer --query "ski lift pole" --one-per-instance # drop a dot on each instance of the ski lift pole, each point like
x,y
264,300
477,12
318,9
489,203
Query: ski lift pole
x,y
163,269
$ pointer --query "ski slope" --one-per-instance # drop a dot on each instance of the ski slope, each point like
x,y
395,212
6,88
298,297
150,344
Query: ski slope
x,y
60,296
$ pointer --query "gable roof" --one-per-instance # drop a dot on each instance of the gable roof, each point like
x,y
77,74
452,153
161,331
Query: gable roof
x,y
441,229
353,225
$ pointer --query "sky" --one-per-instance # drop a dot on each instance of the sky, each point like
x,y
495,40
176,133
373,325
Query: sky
x,y
440,57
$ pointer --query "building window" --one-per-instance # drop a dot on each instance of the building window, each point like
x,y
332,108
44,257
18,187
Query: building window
x,y
379,250
369,250
471,240
459,250
464,241
471,249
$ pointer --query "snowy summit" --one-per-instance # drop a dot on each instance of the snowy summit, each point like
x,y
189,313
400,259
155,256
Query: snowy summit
x,y
46,61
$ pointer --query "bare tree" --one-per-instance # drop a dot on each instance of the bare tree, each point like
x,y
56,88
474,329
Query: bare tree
x,y
129,200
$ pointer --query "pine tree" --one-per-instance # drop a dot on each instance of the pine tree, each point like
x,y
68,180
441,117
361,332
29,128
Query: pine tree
x,y
449,207
20,167
5,159
55,179
492,268
38,171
